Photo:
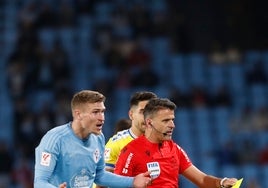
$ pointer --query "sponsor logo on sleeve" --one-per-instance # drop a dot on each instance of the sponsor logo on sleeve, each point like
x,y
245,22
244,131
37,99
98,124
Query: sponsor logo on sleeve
x,y
45,159
107,153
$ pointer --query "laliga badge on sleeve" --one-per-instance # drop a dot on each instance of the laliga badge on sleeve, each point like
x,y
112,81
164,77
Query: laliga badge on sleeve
x,y
238,183
154,168
107,153
45,159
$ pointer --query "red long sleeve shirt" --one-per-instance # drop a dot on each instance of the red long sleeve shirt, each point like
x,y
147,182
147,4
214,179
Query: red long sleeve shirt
x,y
165,161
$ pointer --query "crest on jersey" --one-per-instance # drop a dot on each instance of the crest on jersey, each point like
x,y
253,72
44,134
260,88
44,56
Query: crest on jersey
x,y
154,168
96,155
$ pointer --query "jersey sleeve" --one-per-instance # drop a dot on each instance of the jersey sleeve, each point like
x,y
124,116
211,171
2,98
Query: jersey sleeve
x,y
185,161
112,151
46,155
125,163
114,180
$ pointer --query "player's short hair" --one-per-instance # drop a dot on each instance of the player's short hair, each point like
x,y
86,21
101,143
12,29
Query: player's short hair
x,y
156,104
141,96
86,96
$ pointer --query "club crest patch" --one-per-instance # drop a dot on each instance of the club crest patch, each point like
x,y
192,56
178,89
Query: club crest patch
x,y
45,159
154,168
96,155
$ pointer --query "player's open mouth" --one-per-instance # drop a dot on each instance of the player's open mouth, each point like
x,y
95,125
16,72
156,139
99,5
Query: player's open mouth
x,y
169,133
99,125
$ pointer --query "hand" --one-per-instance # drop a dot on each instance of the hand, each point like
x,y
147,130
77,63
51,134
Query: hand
x,y
63,185
142,180
229,182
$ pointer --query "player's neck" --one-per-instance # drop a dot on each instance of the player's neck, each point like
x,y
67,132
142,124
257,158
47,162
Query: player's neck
x,y
78,131
151,137
135,132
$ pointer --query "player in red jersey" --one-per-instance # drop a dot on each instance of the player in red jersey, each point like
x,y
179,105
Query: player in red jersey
x,y
157,152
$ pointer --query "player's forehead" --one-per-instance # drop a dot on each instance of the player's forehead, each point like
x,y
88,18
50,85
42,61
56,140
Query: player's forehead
x,y
164,114
97,106
142,104
139,108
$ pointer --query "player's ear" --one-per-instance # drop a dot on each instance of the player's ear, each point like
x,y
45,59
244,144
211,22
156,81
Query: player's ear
x,y
148,122
77,114
130,114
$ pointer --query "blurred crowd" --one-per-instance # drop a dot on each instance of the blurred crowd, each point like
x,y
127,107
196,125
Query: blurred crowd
x,y
110,51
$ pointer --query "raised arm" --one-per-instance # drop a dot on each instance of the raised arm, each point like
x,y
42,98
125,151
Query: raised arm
x,y
203,180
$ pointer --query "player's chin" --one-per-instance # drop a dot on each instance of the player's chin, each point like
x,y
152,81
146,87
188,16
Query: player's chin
x,y
97,132
168,136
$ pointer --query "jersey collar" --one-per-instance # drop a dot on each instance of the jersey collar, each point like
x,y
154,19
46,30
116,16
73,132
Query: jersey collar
x,y
132,134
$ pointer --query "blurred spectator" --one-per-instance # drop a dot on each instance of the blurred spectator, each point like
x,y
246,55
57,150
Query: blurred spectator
x,y
123,78
125,47
47,17
21,107
199,97
220,56
160,24
182,100
60,67
61,110
120,23
44,119
260,119
145,77
252,183
85,7
27,131
103,41
104,85
22,174
233,55
242,122
122,124
247,151
227,154
222,97
114,59
66,15
256,75
140,19
27,16
263,155
217,55
249,121
45,78
17,78
6,163
138,56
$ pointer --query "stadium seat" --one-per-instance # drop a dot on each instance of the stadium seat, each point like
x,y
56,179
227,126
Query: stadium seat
x,y
47,38
196,69
216,77
177,72
235,78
